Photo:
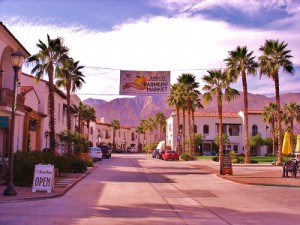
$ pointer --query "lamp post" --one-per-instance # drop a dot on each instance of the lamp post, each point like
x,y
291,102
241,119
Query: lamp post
x,y
17,60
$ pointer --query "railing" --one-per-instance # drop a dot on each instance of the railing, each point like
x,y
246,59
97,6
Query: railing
x,y
7,98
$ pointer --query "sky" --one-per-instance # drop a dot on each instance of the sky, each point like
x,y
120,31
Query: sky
x,y
181,36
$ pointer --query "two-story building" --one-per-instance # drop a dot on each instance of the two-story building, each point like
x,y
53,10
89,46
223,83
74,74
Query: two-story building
x,y
207,124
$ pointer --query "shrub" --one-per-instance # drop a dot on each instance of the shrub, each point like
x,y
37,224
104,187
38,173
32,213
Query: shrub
x,y
215,158
24,164
187,157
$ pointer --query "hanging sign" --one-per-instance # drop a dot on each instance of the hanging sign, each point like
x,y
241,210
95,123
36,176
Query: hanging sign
x,y
144,82
3,121
43,178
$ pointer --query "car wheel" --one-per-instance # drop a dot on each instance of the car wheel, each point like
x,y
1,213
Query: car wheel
x,y
107,156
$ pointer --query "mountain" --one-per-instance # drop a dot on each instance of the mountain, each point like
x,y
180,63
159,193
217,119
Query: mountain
x,y
130,111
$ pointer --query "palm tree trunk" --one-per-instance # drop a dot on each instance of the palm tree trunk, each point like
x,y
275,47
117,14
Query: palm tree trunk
x,y
292,133
278,117
220,131
178,133
51,108
69,144
245,93
273,136
190,133
183,129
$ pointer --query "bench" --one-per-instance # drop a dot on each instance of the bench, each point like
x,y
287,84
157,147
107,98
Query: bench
x,y
290,166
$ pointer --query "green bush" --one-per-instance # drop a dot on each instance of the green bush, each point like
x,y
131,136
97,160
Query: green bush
x,y
24,165
215,158
187,157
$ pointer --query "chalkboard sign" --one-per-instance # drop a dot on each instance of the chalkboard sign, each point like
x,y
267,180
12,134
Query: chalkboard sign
x,y
226,165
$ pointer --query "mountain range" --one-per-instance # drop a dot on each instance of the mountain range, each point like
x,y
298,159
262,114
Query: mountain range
x,y
130,111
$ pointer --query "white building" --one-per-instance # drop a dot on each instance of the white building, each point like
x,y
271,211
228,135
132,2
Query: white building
x,y
206,124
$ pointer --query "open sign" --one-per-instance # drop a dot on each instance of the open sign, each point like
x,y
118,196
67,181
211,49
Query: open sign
x,y
43,178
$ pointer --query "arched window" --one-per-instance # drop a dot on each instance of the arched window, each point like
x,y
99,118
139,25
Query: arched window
x,y
254,130
205,129
132,137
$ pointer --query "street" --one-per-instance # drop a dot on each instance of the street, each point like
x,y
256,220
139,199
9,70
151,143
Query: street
x,y
136,189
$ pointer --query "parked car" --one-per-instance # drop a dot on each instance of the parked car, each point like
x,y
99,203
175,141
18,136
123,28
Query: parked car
x,y
95,153
106,151
120,150
154,153
160,153
170,154
131,150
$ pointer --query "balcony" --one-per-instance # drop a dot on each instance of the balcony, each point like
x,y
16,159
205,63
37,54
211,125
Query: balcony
x,y
7,97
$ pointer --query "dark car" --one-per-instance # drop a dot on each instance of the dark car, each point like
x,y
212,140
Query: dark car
x,y
160,153
154,153
106,151
170,154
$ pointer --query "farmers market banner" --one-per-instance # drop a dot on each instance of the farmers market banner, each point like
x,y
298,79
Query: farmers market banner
x,y
144,82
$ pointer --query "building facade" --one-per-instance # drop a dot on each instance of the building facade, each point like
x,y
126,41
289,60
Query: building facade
x,y
207,124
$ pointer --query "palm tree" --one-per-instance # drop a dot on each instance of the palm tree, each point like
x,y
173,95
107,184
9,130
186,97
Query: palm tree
x,y
115,124
276,56
189,94
269,116
240,62
291,112
218,84
151,125
70,78
160,119
139,130
175,99
89,115
81,109
47,61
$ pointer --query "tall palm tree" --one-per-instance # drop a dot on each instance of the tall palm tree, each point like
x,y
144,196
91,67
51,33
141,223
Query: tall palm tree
x,y
70,78
275,56
160,119
139,130
115,124
151,125
46,62
291,112
218,84
81,110
240,62
89,115
175,99
269,116
188,94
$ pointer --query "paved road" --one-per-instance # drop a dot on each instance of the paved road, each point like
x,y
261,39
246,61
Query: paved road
x,y
136,189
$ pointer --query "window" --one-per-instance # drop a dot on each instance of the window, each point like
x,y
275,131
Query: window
x,y
254,130
234,130
92,131
205,129
195,129
58,112
132,137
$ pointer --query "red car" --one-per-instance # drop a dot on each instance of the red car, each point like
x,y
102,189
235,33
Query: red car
x,y
170,154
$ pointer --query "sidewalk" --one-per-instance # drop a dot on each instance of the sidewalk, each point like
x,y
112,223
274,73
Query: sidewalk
x,y
251,174
61,186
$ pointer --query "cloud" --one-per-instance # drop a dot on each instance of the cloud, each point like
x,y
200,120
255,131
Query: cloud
x,y
180,44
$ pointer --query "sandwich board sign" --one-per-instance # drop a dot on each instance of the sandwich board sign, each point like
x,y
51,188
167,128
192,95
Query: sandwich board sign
x,y
226,165
43,178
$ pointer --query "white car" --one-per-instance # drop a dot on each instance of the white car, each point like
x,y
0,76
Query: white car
x,y
132,150
96,153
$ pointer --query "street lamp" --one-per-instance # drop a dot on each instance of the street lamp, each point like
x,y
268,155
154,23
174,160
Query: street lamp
x,y
17,60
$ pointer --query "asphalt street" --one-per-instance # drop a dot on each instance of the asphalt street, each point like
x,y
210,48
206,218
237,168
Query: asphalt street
x,y
136,189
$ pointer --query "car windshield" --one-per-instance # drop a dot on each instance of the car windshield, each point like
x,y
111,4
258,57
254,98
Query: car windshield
x,y
170,152
95,149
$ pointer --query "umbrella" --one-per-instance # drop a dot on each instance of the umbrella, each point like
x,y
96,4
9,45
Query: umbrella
x,y
297,150
286,146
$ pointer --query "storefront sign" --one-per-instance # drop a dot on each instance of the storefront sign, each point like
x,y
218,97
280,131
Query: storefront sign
x,y
43,178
